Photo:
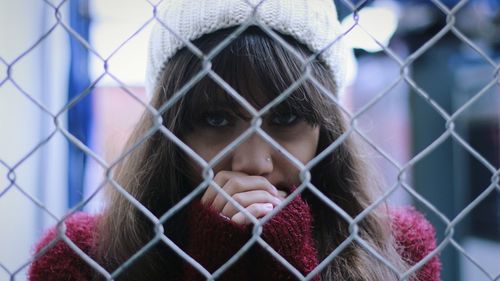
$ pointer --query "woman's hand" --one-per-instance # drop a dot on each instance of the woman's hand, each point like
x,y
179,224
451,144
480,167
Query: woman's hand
x,y
254,193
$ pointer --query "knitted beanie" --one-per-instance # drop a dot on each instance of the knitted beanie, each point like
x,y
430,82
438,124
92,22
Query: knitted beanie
x,y
313,23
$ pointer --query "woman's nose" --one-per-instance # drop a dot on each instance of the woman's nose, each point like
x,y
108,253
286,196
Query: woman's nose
x,y
253,157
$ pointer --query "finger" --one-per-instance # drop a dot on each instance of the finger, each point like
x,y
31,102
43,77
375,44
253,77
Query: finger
x,y
239,184
220,178
257,210
282,194
248,198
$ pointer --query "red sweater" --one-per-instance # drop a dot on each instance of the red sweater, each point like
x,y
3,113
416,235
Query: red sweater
x,y
212,240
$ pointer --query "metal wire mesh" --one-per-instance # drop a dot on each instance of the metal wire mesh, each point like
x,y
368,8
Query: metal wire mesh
x,y
255,128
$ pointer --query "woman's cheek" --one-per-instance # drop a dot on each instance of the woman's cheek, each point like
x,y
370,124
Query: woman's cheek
x,y
302,143
208,143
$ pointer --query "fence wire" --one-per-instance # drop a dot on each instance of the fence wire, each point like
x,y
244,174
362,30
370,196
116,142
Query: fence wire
x,y
255,128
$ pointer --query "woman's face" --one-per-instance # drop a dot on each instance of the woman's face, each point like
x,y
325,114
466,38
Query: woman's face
x,y
214,129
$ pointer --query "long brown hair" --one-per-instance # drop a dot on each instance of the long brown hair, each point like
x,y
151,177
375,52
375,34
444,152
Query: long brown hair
x,y
154,173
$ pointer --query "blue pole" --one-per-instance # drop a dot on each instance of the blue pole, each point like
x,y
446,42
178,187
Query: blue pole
x,y
80,115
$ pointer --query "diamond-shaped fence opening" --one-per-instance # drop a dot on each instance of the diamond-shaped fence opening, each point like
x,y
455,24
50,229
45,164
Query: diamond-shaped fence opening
x,y
30,142
424,110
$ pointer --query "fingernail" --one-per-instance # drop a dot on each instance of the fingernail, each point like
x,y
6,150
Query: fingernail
x,y
268,206
275,189
224,216
282,194
239,218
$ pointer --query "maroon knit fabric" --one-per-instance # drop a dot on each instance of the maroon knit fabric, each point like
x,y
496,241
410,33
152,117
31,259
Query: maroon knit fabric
x,y
288,233
415,238
61,263
212,240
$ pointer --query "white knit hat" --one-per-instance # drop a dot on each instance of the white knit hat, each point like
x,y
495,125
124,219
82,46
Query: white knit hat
x,y
313,23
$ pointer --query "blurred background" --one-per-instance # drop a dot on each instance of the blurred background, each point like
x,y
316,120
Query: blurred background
x,y
424,86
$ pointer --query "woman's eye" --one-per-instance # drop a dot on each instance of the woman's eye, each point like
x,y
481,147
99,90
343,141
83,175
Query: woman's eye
x,y
216,120
283,119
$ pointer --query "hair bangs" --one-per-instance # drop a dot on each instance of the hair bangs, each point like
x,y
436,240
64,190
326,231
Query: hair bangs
x,y
259,69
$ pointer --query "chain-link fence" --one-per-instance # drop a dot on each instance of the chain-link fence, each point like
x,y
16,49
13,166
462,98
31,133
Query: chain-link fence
x,y
451,134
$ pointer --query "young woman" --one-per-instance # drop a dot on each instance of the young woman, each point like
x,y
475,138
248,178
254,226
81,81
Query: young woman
x,y
139,237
